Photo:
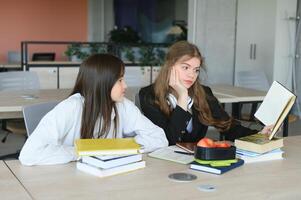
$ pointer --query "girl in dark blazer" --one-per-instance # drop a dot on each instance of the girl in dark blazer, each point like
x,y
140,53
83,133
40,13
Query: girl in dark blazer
x,y
178,103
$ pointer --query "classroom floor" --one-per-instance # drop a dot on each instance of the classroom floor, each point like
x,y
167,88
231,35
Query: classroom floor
x,y
14,142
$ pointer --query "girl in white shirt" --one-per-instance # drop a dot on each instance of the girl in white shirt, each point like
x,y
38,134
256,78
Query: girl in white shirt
x,y
96,109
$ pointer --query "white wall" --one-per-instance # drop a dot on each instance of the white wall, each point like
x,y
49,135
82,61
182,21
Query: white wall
x,y
100,19
284,41
211,26
255,26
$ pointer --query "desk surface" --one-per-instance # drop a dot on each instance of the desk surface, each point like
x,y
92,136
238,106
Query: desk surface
x,y
266,180
10,187
6,65
53,63
240,94
11,102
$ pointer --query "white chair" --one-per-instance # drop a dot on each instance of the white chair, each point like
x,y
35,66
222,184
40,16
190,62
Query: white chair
x,y
19,80
253,79
13,81
32,117
34,113
137,76
137,101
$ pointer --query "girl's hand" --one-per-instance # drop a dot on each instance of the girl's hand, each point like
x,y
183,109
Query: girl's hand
x,y
180,89
176,84
267,130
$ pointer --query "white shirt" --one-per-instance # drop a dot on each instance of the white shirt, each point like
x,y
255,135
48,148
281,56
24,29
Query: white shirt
x,y
52,142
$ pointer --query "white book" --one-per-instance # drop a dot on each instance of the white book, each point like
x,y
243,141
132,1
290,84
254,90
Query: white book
x,y
254,154
106,162
272,155
96,171
275,106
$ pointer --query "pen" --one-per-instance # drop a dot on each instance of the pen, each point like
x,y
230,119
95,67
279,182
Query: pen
x,y
185,153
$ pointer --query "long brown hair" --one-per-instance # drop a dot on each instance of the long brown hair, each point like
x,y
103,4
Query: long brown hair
x,y
184,50
96,78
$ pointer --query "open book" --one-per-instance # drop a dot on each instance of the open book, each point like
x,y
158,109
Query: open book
x,y
275,107
172,153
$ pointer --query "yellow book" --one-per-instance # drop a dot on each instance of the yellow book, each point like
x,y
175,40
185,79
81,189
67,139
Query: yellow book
x,y
116,146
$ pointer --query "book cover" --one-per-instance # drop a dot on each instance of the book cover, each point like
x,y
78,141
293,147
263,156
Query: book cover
x,y
275,107
215,169
251,157
116,146
97,161
172,153
187,146
96,171
259,143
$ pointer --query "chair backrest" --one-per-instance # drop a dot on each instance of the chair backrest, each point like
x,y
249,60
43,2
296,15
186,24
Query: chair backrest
x,y
137,101
253,79
34,113
20,80
13,57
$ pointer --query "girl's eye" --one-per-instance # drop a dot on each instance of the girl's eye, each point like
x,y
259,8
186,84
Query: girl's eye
x,y
197,70
185,67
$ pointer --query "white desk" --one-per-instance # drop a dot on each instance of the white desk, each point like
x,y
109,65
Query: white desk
x,y
10,187
47,63
11,103
10,66
240,94
266,180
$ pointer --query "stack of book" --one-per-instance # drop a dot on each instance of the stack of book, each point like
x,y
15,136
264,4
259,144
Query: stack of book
x,y
251,157
107,157
273,110
259,147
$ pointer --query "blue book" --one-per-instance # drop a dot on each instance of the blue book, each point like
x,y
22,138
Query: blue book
x,y
215,169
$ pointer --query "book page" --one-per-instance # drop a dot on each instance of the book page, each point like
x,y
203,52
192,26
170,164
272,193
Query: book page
x,y
282,116
273,106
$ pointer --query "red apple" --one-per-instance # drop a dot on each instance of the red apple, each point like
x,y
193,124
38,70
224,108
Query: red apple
x,y
206,142
222,144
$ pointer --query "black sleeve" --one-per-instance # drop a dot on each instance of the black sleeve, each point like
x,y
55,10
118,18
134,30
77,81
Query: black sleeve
x,y
236,130
173,126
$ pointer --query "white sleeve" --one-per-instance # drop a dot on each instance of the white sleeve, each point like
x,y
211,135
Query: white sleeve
x,y
147,134
48,144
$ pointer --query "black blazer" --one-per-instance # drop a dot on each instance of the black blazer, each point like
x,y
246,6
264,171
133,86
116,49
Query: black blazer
x,y
175,126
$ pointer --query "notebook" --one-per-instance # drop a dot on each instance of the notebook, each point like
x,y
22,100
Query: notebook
x,y
215,169
172,153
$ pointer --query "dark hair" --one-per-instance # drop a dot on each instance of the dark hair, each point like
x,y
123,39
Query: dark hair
x,y
184,50
96,78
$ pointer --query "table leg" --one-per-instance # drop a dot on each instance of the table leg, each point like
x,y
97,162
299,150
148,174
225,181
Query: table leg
x,y
236,108
285,127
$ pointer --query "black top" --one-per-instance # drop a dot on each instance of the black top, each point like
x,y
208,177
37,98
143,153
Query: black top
x,y
175,125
